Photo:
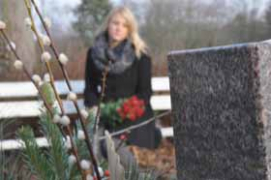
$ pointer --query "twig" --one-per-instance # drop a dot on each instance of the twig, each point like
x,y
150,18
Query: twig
x,y
87,140
34,29
53,47
97,117
53,85
26,72
138,125
9,44
74,150
65,74
47,106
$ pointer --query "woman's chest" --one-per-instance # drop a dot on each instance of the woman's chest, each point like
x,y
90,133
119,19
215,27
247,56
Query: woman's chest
x,y
122,84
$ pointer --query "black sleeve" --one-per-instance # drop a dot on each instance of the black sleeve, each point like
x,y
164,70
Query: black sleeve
x,y
90,92
144,88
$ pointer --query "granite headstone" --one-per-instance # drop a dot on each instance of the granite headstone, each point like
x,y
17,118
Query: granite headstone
x,y
221,104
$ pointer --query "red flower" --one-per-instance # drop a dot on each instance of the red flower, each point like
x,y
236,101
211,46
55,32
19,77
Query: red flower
x,y
132,117
141,103
126,107
123,137
130,109
106,173
139,112
134,101
122,115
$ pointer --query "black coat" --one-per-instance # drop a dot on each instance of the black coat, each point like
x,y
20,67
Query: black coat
x,y
135,80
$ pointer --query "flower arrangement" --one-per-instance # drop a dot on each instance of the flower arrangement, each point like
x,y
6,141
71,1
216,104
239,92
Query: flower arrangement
x,y
114,114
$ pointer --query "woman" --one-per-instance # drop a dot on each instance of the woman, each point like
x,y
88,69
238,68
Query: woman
x,y
129,72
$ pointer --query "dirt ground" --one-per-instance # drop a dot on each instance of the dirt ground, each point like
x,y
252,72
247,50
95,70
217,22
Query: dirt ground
x,y
161,159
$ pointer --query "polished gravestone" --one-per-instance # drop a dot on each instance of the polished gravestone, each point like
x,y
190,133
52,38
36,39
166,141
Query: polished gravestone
x,y
221,105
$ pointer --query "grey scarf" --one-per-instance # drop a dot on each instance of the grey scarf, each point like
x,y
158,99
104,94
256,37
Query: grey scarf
x,y
122,56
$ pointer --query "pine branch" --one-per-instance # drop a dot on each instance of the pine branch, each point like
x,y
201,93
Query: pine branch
x,y
58,156
82,147
35,159
11,163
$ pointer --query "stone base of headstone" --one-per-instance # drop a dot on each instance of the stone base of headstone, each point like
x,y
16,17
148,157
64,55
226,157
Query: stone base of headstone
x,y
221,104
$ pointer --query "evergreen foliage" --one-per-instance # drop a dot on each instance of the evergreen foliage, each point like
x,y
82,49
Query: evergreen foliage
x,y
52,163
90,15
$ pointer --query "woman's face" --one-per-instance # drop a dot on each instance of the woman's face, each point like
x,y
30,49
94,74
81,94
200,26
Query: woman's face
x,y
118,29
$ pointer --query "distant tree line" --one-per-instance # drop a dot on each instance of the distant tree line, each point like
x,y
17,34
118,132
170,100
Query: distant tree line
x,y
165,25
185,24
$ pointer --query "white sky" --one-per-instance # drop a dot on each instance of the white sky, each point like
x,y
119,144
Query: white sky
x,y
62,9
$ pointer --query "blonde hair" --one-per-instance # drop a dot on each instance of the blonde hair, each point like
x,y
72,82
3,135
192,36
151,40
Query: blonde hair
x,y
139,44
